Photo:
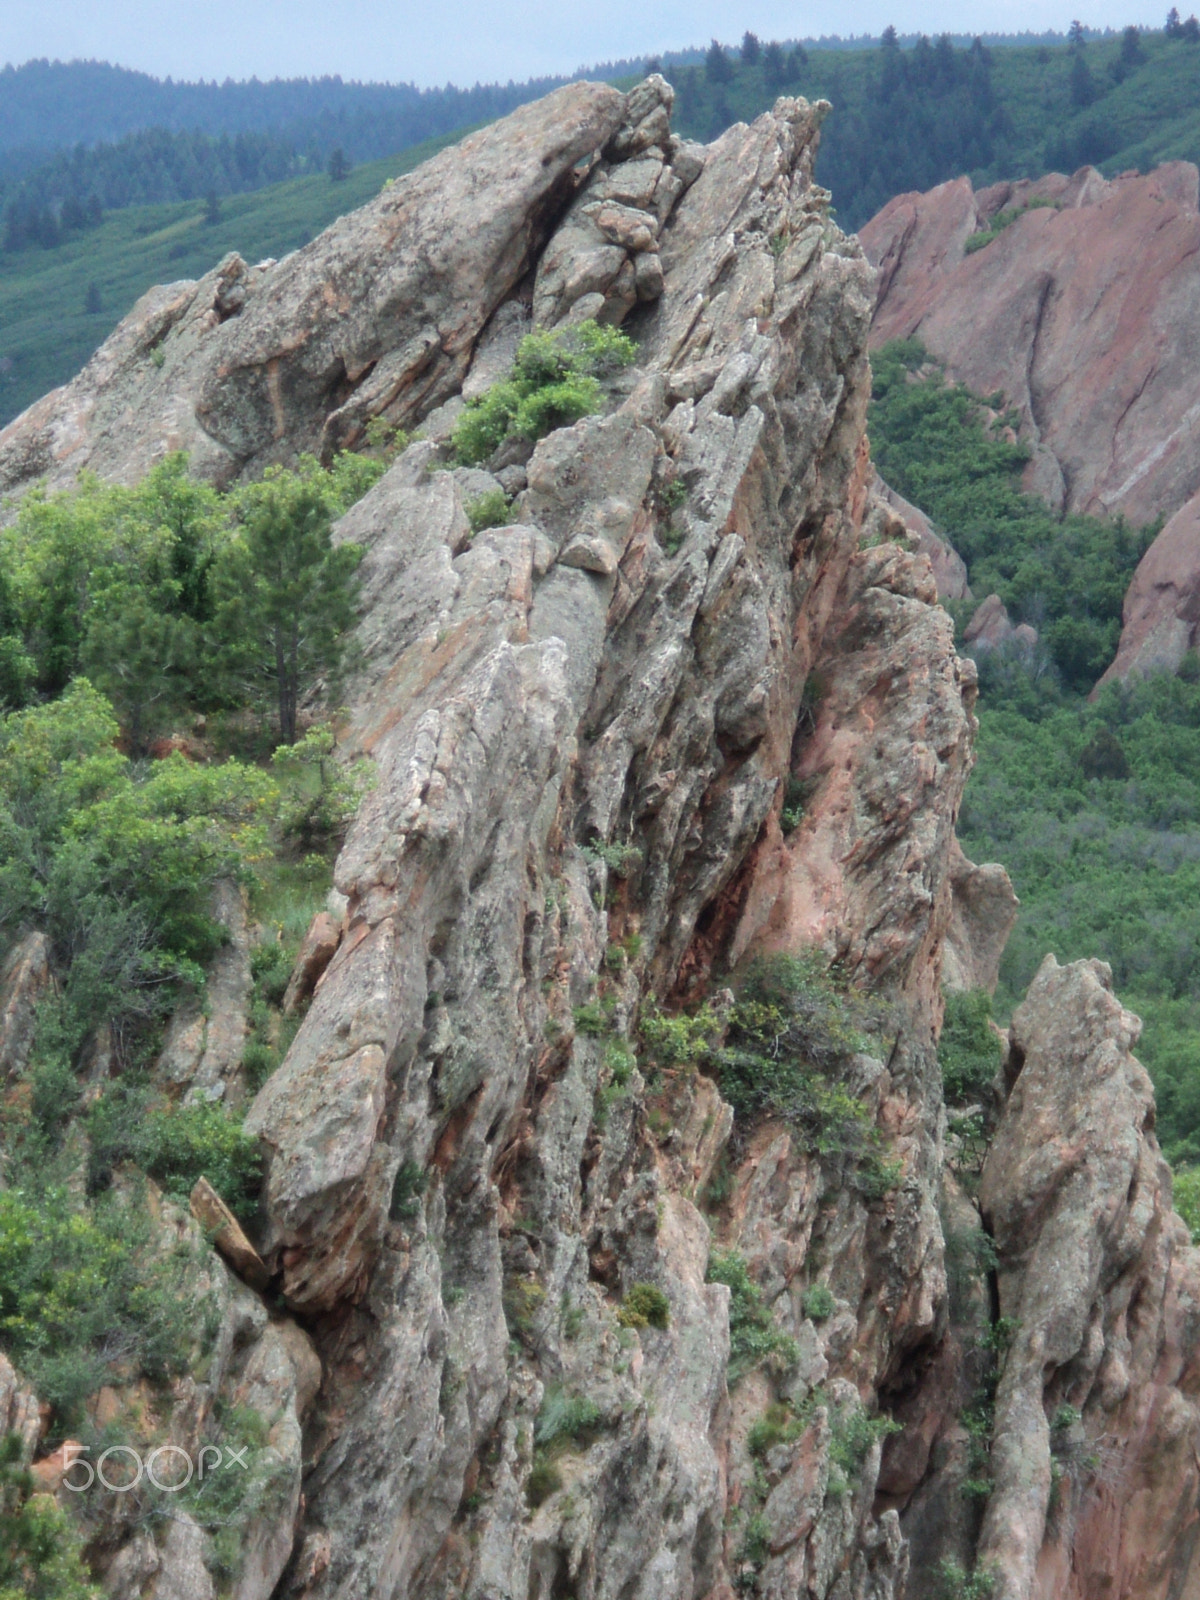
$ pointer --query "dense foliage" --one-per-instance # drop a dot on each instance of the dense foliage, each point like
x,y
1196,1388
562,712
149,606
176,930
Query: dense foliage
x,y
943,449
175,600
1092,805
172,597
554,381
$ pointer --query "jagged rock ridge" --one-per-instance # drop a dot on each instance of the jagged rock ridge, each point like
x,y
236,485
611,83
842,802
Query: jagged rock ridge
x,y
583,730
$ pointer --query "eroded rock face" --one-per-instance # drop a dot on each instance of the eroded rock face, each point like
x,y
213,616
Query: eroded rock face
x,y
1103,1287
1082,312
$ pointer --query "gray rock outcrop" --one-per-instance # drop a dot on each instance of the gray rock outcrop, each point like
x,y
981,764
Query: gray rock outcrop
x,y
676,715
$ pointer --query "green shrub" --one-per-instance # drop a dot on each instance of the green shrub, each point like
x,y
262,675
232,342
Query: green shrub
x,y
39,1552
645,1306
753,1334
852,1434
408,1189
523,1299
955,1583
544,1480
175,1145
679,1040
968,1050
779,1424
1187,1199
319,794
117,863
553,383
89,1289
593,1019
492,509
819,1303
564,1418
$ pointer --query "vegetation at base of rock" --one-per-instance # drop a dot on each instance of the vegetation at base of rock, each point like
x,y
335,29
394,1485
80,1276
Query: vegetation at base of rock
x,y
645,1306
754,1335
968,1049
554,381
955,1583
1004,219
1104,866
90,1288
1187,1199
818,1302
39,1551
936,443
492,509
1091,804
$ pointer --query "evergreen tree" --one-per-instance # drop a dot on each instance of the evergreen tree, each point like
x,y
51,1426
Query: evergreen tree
x,y
212,208
285,592
339,165
751,50
717,65
91,305
774,66
1083,89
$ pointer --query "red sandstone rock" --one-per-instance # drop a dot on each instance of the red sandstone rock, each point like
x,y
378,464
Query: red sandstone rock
x,y
1162,608
1075,314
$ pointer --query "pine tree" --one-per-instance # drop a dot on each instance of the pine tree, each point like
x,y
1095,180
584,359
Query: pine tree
x,y
717,64
751,50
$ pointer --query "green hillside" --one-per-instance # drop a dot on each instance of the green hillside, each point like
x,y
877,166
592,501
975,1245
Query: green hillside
x,y
46,331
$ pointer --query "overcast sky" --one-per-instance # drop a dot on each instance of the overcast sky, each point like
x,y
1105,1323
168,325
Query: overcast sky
x,y
464,41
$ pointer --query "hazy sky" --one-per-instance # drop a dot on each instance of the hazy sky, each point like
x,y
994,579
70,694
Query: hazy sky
x,y
462,41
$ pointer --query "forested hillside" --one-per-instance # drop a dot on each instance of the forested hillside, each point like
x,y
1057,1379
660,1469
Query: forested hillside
x,y
1093,806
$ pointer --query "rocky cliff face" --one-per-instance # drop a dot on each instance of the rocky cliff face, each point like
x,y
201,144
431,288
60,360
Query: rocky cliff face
x,y
625,745
1084,311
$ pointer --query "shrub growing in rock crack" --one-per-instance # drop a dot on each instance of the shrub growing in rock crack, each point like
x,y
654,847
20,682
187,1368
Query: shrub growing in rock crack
x,y
554,381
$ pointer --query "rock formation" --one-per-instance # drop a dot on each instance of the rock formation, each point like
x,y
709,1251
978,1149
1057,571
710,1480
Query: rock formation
x,y
669,719
1081,312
